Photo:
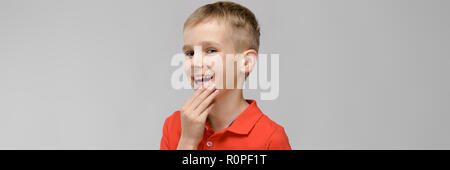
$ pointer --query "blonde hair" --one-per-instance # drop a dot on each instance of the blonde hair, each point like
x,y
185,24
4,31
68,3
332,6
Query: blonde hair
x,y
240,18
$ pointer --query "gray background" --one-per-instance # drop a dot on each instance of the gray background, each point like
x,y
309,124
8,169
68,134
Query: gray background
x,y
354,74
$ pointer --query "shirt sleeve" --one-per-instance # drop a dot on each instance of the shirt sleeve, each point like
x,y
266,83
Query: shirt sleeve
x,y
279,140
165,138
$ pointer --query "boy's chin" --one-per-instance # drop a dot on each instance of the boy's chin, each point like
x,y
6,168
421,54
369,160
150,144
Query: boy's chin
x,y
221,88
196,85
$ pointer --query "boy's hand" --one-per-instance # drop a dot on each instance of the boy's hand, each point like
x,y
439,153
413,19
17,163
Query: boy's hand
x,y
193,116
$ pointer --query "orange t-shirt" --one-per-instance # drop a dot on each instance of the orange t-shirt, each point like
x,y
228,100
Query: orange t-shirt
x,y
251,130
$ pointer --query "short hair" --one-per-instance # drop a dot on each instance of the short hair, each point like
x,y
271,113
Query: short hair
x,y
240,18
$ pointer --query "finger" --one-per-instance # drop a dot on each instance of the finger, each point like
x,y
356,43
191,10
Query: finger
x,y
203,105
206,112
202,97
193,97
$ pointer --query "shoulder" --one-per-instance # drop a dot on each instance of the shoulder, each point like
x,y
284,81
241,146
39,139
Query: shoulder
x,y
171,132
275,133
173,122
268,125
174,116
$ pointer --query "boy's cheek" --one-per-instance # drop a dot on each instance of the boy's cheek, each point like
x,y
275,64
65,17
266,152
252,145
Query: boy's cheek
x,y
187,67
235,74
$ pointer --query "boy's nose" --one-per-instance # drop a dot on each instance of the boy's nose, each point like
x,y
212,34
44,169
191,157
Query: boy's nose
x,y
198,60
198,57
199,65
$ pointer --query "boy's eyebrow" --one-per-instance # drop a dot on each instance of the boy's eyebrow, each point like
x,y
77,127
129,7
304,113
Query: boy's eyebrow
x,y
185,47
203,43
206,43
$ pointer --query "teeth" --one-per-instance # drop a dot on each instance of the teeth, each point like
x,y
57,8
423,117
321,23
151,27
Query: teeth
x,y
205,78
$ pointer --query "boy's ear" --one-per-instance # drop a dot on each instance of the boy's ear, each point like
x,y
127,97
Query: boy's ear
x,y
249,61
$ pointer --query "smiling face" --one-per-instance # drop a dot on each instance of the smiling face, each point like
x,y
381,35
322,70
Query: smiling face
x,y
221,41
206,46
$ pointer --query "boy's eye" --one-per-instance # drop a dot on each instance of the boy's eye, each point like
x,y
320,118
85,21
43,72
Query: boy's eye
x,y
189,53
211,50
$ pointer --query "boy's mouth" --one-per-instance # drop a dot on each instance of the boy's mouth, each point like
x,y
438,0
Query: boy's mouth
x,y
200,80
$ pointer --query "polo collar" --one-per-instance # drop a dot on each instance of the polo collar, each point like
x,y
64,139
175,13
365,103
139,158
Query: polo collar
x,y
246,120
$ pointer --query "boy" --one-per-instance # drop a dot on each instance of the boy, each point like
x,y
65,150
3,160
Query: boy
x,y
219,39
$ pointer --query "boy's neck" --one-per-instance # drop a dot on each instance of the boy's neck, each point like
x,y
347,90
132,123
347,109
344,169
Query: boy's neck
x,y
228,106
